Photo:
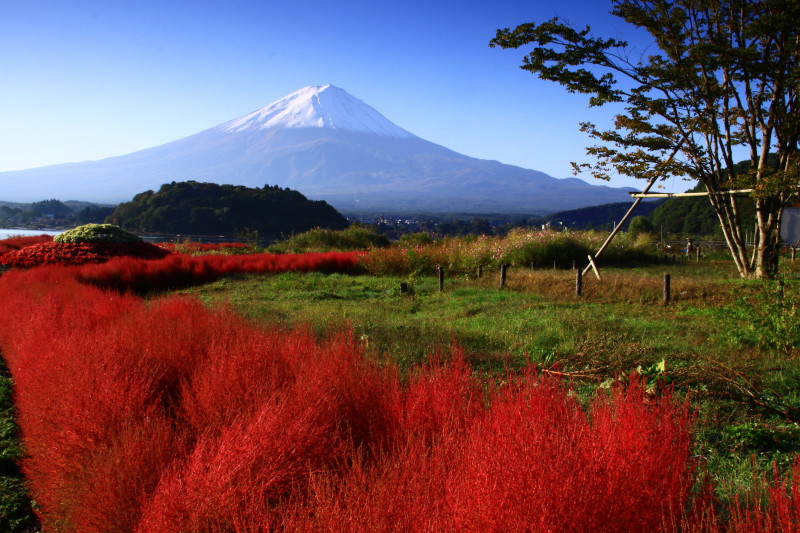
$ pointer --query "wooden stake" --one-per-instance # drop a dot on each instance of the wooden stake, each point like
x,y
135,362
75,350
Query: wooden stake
x,y
503,270
666,289
440,272
593,267
480,271
578,282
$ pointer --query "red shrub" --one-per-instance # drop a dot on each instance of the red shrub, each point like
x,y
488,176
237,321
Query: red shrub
x,y
15,243
116,397
534,461
58,253
165,415
180,270
778,513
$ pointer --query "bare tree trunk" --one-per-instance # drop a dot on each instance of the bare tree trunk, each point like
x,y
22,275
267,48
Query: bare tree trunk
x,y
768,238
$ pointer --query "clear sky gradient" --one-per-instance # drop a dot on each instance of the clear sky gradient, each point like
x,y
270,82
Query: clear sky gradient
x,y
83,80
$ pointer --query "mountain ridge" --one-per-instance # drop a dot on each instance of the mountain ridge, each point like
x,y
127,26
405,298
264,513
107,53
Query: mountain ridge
x,y
352,165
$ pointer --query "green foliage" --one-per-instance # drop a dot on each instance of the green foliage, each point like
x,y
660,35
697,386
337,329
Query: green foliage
x,y
107,233
325,240
50,207
639,225
770,319
680,217
195,208
93,214
722,76
16,514
597,216
415,239
562,249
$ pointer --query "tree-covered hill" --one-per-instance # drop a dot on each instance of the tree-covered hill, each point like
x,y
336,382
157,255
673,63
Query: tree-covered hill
x,y
598,216
210,209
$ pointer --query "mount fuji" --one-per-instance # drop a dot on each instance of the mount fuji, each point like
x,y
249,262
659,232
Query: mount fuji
x,y
328,145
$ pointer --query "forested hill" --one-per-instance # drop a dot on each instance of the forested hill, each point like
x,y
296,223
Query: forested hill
x,y
598,216
195,208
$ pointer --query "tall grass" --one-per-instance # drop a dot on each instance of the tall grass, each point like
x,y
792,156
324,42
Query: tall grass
x,y
326,240
521,247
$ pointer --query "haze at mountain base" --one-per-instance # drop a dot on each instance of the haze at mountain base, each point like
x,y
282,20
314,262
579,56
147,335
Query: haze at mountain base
x,y
328,145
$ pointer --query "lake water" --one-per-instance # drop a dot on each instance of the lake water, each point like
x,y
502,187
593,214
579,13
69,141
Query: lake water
x,y
6,233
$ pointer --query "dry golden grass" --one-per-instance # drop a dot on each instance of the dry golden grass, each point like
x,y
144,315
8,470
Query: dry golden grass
x,y
613,287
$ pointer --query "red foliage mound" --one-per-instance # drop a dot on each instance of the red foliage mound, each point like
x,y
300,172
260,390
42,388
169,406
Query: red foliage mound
x,y
15,243
169,416
179,270
208,423
55,253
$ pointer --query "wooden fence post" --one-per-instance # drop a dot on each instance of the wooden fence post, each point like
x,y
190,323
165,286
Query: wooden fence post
x,y
698,254
578,282
503,270
440,272
480,271
666,289
793,249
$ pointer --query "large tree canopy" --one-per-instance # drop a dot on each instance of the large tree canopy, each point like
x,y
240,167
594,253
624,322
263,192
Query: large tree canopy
x,y
723,84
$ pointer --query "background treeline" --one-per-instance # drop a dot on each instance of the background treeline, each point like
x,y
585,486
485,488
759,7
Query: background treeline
x,y
52,213
210,209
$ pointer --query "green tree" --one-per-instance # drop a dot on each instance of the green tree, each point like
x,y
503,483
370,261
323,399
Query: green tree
x,y
640,225
197,208
724,80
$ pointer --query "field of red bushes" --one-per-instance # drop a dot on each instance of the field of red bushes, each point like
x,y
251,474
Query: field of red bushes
x,y
15,243
164,415
179,270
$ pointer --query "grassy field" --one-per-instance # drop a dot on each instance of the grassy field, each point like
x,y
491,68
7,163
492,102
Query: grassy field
x,y
726,345
731,345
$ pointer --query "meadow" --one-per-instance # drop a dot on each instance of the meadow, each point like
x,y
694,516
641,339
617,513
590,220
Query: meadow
x,y
332,391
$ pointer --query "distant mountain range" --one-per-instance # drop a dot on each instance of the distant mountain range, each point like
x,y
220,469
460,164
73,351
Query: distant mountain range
x,y
328,145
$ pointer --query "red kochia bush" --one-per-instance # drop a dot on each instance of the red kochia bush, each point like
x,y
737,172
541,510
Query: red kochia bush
x,y
124,405
779,514
15,243
534,461
168,416
180,270
69,253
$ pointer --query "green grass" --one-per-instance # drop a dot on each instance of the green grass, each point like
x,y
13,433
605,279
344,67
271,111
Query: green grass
x,y
719,336
488,323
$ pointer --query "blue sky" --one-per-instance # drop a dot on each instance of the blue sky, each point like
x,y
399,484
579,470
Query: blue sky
x,y
83,80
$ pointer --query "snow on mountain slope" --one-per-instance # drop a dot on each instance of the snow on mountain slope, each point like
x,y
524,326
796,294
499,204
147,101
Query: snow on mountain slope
x,y
318,107
329,146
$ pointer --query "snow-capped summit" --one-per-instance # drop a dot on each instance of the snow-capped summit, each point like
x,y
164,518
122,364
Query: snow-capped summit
x,y
329,146
323,106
